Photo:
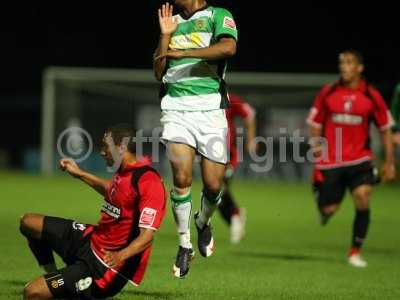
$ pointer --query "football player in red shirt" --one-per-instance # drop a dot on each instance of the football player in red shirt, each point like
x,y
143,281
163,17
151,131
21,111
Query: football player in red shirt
x,y
100,259
229,209
341,114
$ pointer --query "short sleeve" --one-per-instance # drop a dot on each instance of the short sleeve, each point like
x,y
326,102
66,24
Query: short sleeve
x,y
381,113
241,108
152,201
224,24
318,111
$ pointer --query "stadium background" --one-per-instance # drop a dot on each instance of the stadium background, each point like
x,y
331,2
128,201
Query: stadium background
x,y
285,254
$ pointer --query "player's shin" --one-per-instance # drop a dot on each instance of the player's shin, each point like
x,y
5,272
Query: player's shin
x,y
209,203
182,209
360,229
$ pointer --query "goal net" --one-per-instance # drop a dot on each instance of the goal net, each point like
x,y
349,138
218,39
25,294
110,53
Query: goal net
x,y
79,103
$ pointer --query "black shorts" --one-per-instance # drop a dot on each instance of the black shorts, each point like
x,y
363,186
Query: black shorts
x,y
330,185
76,280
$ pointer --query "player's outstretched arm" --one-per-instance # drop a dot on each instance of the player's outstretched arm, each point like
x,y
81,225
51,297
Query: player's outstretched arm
x,y
99,184
141,243
388,168
168,26
225,48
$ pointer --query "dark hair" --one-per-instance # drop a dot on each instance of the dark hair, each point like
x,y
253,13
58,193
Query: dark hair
x,y
357,54
121,131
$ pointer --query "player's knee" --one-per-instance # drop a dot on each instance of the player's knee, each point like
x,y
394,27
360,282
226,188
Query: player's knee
x,y
362,202
24,223
362,198
213,187
329,210
31,225
182,180
31,292
212,190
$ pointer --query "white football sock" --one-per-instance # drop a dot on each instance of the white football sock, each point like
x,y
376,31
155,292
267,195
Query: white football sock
x,y
208,206
182,210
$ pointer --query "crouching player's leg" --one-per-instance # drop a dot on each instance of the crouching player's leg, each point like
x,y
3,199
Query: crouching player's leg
x,y
72,282
66,238
31,226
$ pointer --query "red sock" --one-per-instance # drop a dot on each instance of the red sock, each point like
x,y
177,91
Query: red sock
x,y
236,211
354,251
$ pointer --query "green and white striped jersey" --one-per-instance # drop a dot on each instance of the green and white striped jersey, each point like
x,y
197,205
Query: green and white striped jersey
x,y
192,84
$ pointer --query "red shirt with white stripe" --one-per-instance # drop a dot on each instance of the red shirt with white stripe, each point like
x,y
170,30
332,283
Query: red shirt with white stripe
x,y
345,114
238,109
123,213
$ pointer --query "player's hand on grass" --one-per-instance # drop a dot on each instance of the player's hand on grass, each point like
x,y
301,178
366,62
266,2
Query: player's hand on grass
x,y
168,23
70,166
388,171
113,259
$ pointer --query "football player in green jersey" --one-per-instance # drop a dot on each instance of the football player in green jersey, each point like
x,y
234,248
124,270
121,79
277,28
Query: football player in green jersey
x,y
190,62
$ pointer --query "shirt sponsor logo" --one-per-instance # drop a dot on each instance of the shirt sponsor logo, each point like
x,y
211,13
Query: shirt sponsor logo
x,y
187,41
111,210
229,23
147,217
347,119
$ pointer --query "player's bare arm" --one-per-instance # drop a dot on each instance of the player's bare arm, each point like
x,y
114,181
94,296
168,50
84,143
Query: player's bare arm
x,y
99,184
388,168
315,140
168,26
141,243
251,127
224,48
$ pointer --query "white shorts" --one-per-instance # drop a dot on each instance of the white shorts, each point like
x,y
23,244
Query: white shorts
x,y
205,131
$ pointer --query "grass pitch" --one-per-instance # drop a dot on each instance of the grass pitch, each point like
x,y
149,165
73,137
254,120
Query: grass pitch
x,y
285,255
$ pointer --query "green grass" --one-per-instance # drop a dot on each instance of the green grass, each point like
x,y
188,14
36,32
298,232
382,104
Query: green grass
x,y
286,254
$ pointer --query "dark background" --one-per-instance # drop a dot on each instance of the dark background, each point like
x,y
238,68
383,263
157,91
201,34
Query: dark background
x,y
305,36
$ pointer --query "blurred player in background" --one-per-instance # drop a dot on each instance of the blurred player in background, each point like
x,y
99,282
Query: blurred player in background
x,y
190,61
395,109
341,114
229,209
100,259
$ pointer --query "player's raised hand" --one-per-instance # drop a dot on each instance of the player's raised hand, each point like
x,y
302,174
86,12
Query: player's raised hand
x,y
70,166
168,23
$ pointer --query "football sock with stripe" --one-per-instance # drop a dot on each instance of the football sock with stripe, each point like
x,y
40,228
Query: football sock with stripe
x,y
209,203
182,210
